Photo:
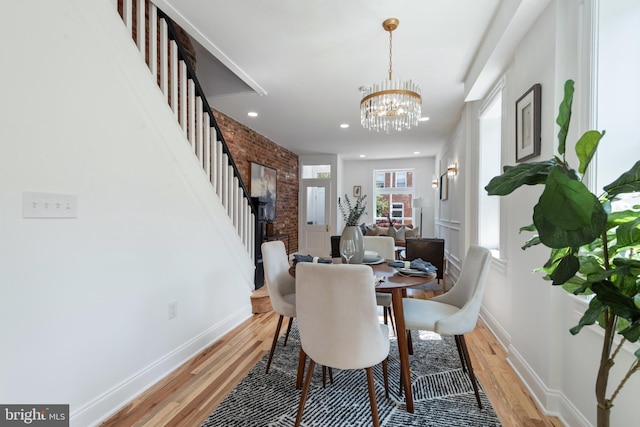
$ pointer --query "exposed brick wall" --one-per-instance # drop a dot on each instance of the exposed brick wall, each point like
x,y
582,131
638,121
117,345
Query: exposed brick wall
x,y
248,146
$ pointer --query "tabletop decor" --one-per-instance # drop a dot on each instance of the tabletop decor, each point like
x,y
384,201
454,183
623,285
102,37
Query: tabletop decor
x,y
351,214
594,242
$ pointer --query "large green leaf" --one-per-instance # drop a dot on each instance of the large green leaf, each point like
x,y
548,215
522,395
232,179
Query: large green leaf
x,y
535,240
567,203
516,176
564,116
628,182
556,237
628,233
619,303
590,316
566,269
586,148
616,218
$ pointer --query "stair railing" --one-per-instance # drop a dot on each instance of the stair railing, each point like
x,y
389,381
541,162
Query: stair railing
x,y
161,49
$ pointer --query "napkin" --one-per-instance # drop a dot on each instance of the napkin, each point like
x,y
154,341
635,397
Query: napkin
x,y
416,264
309,258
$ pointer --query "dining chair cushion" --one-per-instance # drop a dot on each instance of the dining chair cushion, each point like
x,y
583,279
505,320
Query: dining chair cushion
x,y
338,316
424,314
280,284
383,245
454,312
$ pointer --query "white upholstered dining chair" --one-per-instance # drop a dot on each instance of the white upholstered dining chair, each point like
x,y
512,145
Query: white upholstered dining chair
x,y
281,286
455,312
338,323
385,247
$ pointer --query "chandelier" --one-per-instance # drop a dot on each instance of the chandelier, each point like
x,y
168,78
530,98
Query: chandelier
x,y
390,104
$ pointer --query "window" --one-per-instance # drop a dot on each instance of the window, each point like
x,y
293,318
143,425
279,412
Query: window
x,y
490,130
401,179
618,66
316,171
394,195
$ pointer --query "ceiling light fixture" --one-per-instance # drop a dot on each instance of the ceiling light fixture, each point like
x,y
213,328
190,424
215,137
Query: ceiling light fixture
x,y
390,104
252,114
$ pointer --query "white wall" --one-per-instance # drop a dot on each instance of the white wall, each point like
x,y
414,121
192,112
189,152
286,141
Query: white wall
x,y
84,307
529,316
360,172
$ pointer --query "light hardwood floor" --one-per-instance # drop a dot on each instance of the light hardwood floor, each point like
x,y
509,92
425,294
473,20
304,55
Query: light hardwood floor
x,y
188,395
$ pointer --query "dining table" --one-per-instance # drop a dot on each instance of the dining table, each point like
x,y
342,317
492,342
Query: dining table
x,y
396,284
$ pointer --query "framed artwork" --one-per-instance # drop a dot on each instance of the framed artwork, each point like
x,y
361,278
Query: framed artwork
x,y
528,124
357,191
263,185
444,186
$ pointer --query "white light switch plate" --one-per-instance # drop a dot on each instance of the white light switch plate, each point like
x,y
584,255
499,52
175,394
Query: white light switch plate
x,y
49,205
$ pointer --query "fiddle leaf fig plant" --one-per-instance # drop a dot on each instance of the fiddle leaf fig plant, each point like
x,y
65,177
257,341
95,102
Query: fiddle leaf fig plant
x,y
594,249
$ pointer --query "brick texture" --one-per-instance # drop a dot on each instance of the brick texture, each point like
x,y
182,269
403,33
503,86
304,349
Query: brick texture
x,y
248,146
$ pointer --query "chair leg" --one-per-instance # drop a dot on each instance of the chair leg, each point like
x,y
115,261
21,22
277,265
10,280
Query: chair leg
x,y
302,360
409,342
305,391
462,361
472,376
286,337
385,374
372,398
275,340
324,376
331,375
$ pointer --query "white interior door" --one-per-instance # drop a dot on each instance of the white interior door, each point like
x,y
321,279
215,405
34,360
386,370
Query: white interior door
x,y
316,196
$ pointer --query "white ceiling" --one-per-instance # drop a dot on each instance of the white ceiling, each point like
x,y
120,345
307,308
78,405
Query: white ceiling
x,y
302,63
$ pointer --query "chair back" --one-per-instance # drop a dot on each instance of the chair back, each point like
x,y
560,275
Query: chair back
x,y
385,246
338,317
279,282
427,249
467,293
335,246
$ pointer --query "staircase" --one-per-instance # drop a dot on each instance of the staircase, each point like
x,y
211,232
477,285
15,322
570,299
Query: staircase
x,y
160,48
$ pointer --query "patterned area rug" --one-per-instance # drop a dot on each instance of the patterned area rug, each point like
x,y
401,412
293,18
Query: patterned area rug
x,y
442,392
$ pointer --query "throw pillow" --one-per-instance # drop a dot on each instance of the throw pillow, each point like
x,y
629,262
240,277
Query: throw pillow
x,y
381,231
400,234
412,232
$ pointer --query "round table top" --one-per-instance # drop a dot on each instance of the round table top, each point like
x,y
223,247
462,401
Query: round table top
x,y
394,279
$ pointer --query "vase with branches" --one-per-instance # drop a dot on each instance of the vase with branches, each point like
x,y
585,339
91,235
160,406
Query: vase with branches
x,y
594,244
351,213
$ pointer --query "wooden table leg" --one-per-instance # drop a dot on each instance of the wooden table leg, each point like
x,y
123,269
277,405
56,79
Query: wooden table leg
x,y
403,348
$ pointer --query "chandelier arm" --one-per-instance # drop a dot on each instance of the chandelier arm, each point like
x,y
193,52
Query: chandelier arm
x,y
391,92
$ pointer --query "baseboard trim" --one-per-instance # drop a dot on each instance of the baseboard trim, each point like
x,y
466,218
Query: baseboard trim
x,y
105,405
551,402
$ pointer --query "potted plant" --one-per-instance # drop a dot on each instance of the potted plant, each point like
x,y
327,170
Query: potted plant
x,y
351,214
594,247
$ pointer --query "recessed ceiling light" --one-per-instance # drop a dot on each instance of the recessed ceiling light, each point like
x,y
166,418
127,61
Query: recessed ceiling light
x,y
416,152
252,114
344,125
363,155
423,119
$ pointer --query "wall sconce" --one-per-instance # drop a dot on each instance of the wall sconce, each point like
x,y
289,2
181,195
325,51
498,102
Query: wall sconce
x,y
434,182
452,169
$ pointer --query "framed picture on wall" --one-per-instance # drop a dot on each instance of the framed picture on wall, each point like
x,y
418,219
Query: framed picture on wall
x,y
444,186
357,191
528,124
263,185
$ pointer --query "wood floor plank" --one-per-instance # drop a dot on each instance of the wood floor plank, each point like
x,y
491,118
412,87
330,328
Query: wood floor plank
x,y
189,394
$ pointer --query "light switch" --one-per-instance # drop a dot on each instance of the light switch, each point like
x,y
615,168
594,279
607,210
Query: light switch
x,y
49,205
